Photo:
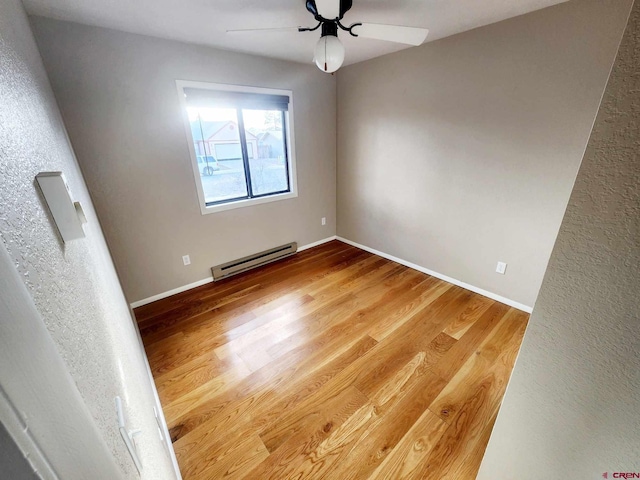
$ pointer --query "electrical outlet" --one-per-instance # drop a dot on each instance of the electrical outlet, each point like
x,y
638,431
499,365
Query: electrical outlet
x,y
324,221
186,260
501,268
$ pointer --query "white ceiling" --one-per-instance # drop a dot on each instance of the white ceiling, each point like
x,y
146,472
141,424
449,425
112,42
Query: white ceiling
x,y
206,21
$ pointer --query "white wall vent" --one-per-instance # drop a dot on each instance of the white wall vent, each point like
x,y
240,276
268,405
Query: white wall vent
x,y
252,261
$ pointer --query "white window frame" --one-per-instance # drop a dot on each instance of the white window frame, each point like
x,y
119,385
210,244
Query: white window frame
x,y
290,145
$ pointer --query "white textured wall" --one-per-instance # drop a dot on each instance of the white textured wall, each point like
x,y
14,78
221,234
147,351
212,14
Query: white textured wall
x,y
462,152
572,408
74,286
40,405
118,98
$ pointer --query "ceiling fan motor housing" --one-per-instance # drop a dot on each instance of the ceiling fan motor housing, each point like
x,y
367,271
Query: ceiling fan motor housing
x,y
345,6
329,28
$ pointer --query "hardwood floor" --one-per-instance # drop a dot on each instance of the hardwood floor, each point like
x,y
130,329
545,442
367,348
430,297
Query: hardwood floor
x,y
334,363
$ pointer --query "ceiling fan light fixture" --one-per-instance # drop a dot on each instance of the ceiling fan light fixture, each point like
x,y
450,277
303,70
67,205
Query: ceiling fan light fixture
x,y
329,53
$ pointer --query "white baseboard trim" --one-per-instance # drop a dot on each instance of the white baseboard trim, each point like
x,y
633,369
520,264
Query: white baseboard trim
x,y
315,244
204,281
484,293
160,296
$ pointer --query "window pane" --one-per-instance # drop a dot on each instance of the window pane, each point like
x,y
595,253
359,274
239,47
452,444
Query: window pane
x,y
216,140
266,147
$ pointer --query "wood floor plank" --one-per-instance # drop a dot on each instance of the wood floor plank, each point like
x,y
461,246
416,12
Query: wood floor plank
x,y
308,385
497,351
467,464
271,286
422,332
317,421
384,303
230,315
378,282
331,305
193,374
260,406
165,307
391,323
461,324
321,462
297,420
367,373
450,363
462,437
278,322
474,405
393,420
220,336
176,409
229,461
410,452
351,373
332,363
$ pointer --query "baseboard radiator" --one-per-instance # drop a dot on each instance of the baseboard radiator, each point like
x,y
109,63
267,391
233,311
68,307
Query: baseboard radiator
x,y
252,261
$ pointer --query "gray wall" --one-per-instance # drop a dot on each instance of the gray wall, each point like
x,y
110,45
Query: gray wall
x,y
572,408
74,286
463,152
119,101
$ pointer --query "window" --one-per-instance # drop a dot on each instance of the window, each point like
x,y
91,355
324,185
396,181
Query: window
x,y
240,142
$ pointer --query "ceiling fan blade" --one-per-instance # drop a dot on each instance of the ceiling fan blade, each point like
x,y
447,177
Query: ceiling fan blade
x,y
328,9
265,30
392,33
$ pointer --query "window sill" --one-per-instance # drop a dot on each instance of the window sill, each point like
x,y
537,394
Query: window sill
x,y
246,203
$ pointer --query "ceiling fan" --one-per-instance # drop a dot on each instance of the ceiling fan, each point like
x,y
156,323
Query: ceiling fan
x,y
329,51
